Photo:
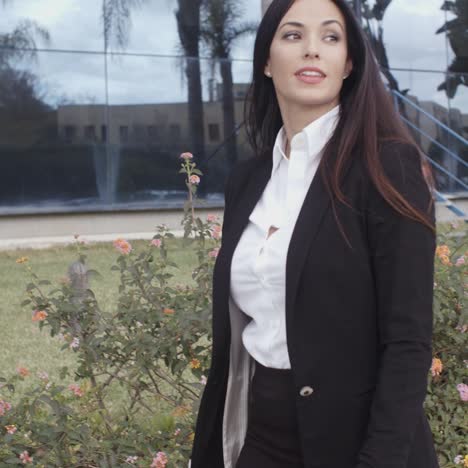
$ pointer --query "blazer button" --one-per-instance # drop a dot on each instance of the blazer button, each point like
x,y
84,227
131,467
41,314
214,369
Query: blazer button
x,y
306,391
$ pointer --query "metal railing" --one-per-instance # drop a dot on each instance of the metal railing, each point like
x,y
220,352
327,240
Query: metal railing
x,y
440,197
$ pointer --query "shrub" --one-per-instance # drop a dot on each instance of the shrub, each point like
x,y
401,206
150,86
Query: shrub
x,y
445,404
141,368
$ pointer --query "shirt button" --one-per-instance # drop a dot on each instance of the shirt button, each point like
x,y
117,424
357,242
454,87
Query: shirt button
x,y
306,391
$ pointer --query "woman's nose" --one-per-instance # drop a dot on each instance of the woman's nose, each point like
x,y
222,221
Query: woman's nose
x,y
311,49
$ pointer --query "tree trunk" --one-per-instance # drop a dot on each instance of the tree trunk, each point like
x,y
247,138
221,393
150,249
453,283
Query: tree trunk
x,y
229,122
188,25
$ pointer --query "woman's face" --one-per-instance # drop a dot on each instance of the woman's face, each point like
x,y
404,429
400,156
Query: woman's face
x,y
309,55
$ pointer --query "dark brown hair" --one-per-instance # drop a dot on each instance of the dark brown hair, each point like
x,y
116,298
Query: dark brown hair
x,y
367,114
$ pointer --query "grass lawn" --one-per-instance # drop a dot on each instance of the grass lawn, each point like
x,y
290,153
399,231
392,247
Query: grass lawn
x,y
23,344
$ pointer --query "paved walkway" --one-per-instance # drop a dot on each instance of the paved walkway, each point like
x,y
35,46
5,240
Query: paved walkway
x,y
17,232
53,241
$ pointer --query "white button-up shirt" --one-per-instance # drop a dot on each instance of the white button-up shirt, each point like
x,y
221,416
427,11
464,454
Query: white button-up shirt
x,y
258,269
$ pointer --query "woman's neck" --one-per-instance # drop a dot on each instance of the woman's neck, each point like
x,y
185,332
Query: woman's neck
x,y
296,118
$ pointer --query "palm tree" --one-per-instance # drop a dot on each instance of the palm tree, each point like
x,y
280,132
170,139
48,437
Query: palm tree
x,y
116,18
188,25
221,27
456,30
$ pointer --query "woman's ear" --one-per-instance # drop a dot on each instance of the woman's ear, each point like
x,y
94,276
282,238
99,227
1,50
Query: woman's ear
x,y
267,69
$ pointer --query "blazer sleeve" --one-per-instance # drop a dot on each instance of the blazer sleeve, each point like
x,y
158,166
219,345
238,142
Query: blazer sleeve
x,y
402,253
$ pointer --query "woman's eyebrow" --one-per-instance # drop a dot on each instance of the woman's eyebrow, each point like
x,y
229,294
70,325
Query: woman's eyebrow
x,y
297,24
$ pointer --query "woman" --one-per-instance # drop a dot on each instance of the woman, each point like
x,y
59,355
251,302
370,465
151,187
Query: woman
x,y
322,289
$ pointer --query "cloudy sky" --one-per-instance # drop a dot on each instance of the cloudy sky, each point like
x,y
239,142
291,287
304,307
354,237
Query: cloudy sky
x,y
75,25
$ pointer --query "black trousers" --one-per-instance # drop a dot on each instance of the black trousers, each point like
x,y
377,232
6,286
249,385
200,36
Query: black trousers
x,y
272,439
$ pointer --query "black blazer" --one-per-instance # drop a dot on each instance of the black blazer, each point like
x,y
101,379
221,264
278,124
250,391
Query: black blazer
x,y
359,319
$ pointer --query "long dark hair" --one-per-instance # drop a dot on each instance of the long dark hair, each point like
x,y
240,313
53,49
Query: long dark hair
x,y
367,117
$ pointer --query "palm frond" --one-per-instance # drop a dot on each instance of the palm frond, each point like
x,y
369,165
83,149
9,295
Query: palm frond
x,y
116,16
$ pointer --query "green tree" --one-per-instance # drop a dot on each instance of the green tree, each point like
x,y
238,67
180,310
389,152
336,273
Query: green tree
x,y
22,108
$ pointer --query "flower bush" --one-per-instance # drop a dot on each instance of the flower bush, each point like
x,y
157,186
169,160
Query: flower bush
x,y
445,404
141,367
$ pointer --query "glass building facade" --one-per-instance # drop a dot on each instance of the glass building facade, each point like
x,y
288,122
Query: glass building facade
x,y
97,103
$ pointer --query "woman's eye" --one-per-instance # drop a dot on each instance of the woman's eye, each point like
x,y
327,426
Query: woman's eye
x,y
291,35
332,38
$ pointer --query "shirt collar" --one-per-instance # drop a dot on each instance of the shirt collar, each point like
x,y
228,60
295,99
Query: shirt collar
x,y
311,138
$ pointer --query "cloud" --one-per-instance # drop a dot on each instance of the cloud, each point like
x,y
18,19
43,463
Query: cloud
x,y
409,33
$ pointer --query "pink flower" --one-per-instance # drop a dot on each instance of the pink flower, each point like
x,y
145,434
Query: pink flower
x,y
159,461
460,261
216,231
4,407
131,460
122,246
186,156
25,458
11,429
194,179
76,389
212,218
463,390
44,376
75,343
214,253
156,242
177,431
203,380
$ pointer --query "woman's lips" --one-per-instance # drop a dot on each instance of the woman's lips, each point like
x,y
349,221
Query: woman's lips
x,y
310,79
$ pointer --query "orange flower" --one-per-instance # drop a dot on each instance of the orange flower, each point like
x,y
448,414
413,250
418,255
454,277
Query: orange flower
x,y
180,411
123,246
22,371
442,250
445,260
168,311
195,364
22,260
436,367
39,315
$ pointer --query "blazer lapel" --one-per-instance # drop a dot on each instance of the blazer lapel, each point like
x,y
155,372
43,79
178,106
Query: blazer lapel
x,y
316,204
